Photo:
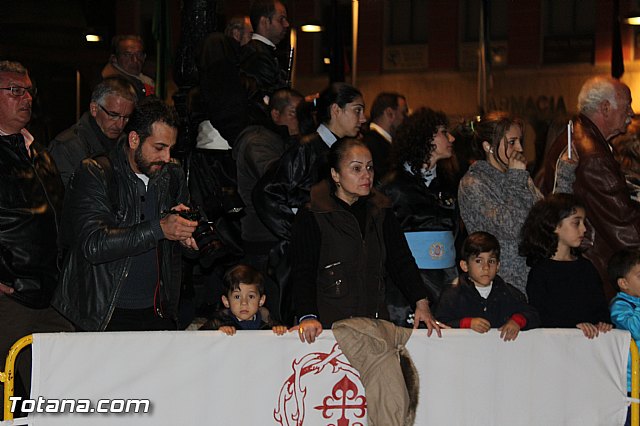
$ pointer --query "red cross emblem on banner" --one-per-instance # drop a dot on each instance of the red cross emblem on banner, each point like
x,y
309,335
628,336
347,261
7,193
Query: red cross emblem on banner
x,y
343,398
345,405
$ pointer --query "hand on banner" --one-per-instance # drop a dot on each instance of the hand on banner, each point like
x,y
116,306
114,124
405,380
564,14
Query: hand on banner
x,y
480,325
509,331
308,330
423,314
229,330
589,330
279,329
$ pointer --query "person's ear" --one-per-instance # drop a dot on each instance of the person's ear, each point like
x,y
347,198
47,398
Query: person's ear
x,y
498,267
605,107
464,266
235,33
134,140
622,283
335,175
275,115
262,23
487,147
225,301
262,299
334,109
389,113
93,109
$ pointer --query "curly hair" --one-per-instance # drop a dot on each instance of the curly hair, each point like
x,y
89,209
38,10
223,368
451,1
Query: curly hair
x,y
412,143
148,111
538,240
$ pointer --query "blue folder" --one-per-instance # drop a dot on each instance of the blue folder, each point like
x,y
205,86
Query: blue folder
x,y
432,249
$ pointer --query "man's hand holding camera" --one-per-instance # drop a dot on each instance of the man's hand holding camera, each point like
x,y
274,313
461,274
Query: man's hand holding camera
x,y
177,228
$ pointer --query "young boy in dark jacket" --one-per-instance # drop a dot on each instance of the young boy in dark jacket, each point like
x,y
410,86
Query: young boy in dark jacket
x,y
482,300
243,300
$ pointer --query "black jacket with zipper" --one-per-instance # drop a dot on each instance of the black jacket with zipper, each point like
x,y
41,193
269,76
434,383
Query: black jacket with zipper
x,y
31,197
341,255
102,229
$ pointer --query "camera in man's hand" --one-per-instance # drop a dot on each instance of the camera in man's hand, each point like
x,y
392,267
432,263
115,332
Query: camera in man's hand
x,y
205,233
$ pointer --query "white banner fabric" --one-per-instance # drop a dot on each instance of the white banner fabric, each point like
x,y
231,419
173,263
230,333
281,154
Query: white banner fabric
x,y
546,377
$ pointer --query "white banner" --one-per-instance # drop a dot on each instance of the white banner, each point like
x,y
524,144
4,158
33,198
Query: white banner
x,y
545,378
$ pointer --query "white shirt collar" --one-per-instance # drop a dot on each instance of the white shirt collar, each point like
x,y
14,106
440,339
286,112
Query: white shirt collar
x,y
263,39
373,126
28,137
428,175
327,136
484,291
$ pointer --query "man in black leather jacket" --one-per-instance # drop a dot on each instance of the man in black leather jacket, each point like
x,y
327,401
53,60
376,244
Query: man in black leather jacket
x,y
31,197
98,129
259,64
122,261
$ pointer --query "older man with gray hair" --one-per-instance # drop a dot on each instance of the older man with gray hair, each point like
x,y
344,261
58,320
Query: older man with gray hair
x,y
605,111
30,207
97,131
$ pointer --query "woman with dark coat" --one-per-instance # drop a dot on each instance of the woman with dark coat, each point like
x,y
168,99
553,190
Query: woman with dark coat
x,y
423,193
345,244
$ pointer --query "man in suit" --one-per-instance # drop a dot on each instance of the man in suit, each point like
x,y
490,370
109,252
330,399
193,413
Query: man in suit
x,y
259,64
387,113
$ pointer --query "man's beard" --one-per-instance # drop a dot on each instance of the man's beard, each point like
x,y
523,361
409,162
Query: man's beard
x,y
144,166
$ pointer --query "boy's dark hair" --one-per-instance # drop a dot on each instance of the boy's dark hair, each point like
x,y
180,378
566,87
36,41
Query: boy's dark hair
x,y
538,240
621,263
480,242
242,274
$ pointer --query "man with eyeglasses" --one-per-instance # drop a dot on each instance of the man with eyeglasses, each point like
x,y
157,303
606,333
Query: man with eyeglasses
x,y
259,64
98,130
121,232
126,60
31,197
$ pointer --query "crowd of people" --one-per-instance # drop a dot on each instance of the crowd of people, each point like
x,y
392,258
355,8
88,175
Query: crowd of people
x,y
343,216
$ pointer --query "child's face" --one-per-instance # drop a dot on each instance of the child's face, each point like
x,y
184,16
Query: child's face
x,y
630,284
244,302
482,269
571,229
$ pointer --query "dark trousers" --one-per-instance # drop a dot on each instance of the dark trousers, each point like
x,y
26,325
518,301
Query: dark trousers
x,y
17,321
139,320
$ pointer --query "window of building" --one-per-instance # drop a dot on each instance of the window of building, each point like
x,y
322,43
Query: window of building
x,y
407,21
470,33
406,48
497,20
569,31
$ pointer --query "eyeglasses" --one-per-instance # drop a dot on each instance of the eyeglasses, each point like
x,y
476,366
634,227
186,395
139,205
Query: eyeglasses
x,y
19,91
113,116
141,56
